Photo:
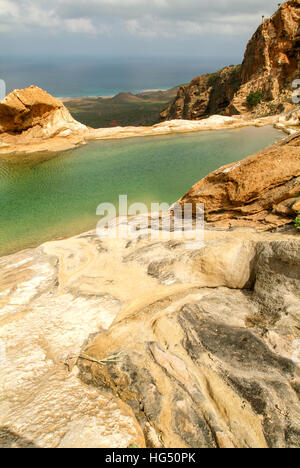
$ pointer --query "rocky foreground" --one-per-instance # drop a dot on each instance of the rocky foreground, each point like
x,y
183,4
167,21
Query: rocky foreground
x,y
110,343
142,342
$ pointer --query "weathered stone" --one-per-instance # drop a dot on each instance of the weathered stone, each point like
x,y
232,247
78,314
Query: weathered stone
x,y
36,114
253,191
110,343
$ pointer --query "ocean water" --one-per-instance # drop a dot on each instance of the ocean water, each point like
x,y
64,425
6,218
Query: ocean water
x,y
84,76
40,201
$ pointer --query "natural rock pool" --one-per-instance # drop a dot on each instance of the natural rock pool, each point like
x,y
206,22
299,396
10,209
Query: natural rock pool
x,y
43,200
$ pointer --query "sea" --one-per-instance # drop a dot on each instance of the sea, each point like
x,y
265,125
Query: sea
x,y
103,76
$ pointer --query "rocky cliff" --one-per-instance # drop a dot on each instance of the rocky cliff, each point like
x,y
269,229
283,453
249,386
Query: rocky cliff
x,y
261,190
271,63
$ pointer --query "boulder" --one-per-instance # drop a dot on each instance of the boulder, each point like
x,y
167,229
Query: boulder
x,y
259,191
32,113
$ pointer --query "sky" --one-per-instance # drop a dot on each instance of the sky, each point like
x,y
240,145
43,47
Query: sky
x,y
189,28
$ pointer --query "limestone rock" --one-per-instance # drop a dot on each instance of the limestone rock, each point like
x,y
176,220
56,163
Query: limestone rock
x,y
254,191
211,367
112,343
32,113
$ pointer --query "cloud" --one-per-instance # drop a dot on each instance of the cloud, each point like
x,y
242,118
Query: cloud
x,y
80,25
131,27
30,15
150,26
153,18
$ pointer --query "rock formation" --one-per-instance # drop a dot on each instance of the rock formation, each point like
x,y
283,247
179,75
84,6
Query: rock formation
x,y
205,95
31,115
116,343
270,65
261,190
209,367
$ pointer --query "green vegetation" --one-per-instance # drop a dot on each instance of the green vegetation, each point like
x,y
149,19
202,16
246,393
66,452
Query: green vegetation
x,y
297,221
254,98
235,74
123,110
213,78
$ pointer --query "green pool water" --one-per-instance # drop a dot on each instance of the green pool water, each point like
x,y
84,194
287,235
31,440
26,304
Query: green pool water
x,y
57,198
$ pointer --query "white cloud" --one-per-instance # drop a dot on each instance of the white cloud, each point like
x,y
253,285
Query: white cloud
x,y
148,18
29,15
80,25
8,8
149,26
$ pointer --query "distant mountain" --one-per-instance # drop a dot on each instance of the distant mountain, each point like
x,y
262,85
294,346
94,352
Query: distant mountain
x,y
124,109
125,97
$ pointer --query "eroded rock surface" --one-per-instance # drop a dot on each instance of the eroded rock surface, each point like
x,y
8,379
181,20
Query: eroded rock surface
x,y
261,190
270,65
31,113
113,343
42,328
209,366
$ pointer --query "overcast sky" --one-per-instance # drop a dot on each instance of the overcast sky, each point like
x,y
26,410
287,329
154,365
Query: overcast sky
x,y
134,27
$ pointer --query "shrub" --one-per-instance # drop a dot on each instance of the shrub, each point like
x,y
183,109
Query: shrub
x,y
213,78
297,222
254,98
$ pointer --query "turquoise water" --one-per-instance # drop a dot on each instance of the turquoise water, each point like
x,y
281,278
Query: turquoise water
x,y
57,198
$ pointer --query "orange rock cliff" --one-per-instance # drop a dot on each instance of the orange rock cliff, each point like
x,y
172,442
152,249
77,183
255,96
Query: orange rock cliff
x,y
270,65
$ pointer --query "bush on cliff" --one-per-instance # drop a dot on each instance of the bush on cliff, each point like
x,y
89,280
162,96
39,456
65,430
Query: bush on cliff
x,y
297,222
254,99
213,79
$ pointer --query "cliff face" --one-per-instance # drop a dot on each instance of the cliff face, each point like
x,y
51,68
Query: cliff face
x,y
205,95
271,63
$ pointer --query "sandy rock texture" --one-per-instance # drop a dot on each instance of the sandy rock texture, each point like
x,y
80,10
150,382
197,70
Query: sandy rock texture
x,y
261,190
32,114
114,342
42,328
270,65
205,359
